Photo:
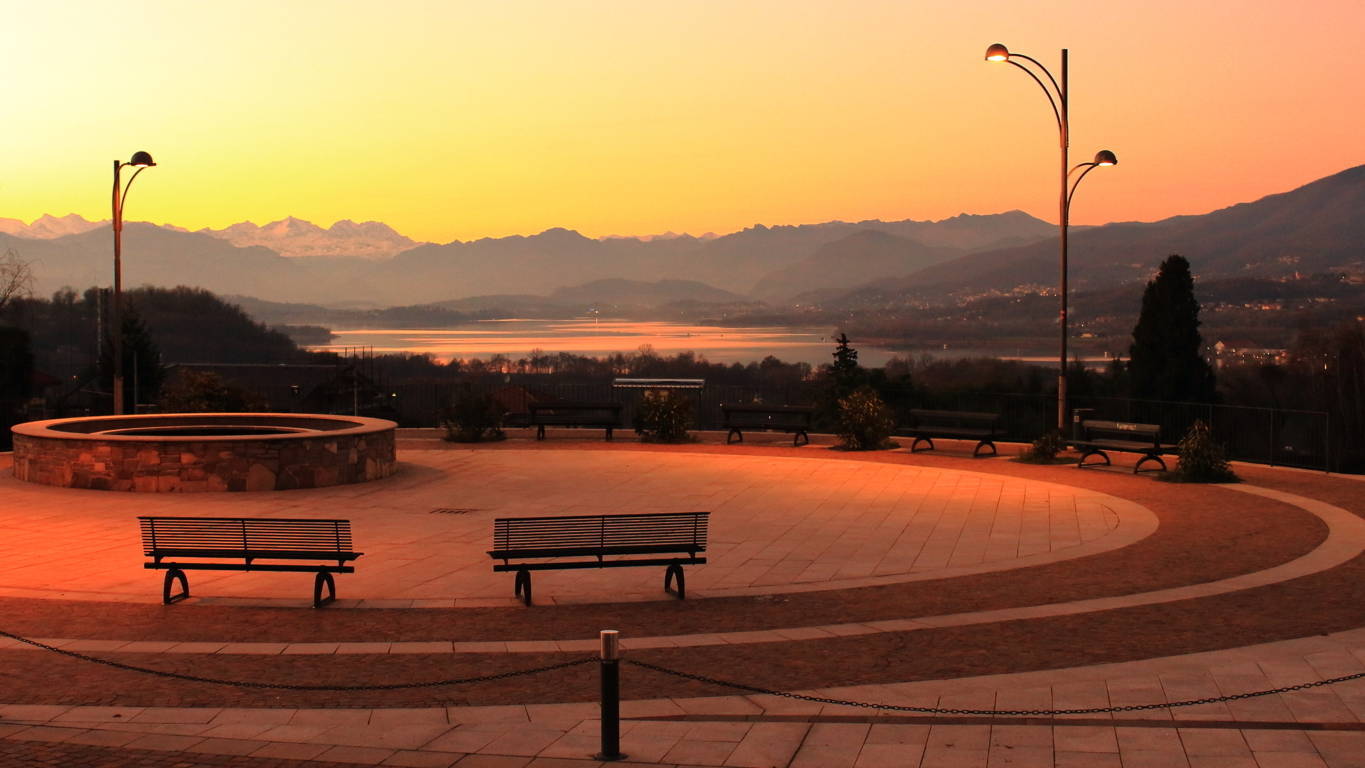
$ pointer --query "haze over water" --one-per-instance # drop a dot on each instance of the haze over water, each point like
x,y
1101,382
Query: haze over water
x,y
599,338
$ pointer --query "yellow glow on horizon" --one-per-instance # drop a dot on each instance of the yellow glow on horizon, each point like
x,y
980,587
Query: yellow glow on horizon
x,y
459,120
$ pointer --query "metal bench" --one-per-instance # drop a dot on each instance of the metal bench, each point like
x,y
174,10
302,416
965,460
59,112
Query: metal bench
x,y
772,418
671,539
218,543
1097,437
575,414
953,425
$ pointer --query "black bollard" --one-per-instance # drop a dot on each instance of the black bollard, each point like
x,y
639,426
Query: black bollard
x,y
611,696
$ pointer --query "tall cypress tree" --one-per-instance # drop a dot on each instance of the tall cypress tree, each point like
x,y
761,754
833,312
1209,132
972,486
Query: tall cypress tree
x,y
1166,360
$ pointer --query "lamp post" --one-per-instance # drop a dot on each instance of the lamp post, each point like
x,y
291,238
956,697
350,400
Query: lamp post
x,y
1059,97
140,161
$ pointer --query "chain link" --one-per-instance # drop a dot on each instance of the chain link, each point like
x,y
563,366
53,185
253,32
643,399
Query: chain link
x,y
294,686
989,712
687,676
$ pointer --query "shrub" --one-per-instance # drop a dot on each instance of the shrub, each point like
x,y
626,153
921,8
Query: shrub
x,y
191,391
664,416
1201,458
865,423
1044,450
472,417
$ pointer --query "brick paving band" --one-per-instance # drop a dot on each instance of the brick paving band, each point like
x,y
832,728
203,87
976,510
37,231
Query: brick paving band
x,y
1143,653
1345,541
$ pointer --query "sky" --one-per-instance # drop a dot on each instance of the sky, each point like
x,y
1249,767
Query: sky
x,y
459,120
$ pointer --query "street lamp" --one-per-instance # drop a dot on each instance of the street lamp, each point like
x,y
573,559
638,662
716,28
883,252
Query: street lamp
x,y
140,161
1059,98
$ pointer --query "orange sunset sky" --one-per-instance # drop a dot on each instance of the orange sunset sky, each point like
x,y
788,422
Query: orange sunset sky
x,y
457,120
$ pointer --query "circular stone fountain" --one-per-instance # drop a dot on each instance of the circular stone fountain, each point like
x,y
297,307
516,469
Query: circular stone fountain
x,y
188,452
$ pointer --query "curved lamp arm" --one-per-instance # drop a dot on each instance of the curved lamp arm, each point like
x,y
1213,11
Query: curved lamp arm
x,y
1056,113
123,198
1088,168
1045,70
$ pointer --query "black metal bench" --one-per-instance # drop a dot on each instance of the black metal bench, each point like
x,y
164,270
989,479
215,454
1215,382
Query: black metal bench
x,y
1097,437
222,541
673,539
925,425
773,418
575,414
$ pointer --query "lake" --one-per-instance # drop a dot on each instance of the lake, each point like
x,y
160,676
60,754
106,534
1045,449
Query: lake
x,y
598,338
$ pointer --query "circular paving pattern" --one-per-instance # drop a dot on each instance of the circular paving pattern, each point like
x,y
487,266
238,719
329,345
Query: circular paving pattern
x,y
931,580
777,526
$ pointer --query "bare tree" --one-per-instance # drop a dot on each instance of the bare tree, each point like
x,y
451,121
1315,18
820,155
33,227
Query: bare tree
x,y
16,278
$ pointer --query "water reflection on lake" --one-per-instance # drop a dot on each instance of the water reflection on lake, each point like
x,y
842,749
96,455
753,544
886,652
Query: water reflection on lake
x,y
597,338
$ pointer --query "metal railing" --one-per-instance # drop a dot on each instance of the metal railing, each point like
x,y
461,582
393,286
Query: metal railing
x,y
1274,436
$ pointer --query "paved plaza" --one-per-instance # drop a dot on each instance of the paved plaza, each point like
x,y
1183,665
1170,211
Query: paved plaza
x,y
927,580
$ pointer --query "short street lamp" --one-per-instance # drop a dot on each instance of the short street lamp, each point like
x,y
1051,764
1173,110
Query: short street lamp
x,y
1059,98
140,161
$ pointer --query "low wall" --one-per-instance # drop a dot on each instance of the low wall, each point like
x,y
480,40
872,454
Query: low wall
x,y
315,452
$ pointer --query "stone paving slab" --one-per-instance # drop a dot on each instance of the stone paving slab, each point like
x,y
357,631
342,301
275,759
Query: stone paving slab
x,y
1346,540
778,524
759,731
1320,726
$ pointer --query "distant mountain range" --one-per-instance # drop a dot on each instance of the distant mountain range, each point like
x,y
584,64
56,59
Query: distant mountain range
x,y
288,237
47,226
295,238
341,264
1317,228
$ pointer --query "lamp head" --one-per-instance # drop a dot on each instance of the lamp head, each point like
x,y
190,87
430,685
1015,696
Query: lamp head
x,y
997,52
1105,158
141,160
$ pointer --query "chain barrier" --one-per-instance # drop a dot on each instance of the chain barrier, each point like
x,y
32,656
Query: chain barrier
x,y
686,676
294,686
989,712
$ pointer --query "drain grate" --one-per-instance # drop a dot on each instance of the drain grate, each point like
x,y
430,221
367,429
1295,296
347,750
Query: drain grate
x,y
453,510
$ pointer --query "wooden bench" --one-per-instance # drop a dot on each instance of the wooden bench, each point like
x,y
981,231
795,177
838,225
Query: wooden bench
x,y
774,418
672,539
575,414
218,543
1097,437
954,425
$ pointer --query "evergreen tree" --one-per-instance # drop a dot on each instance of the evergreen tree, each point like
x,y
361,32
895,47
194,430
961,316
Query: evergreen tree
x,y
142,371
1166,360
846,371
16,373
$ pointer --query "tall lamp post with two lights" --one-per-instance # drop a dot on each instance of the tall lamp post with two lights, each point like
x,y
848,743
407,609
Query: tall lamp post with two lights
x,y
1059,97
140,161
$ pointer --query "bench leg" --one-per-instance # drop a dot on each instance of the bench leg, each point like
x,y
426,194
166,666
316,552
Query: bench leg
x,y
800,439
540,431
977,453
174,574
1146,458
523,586
675,571
323,578
919,440
1082,465
734,433
608,434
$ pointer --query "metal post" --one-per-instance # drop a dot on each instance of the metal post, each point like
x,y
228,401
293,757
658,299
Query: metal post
x,y
611,697
1326,442
117,322
1271,458
1064,215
